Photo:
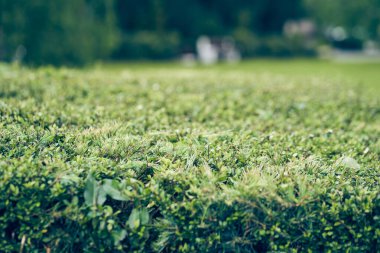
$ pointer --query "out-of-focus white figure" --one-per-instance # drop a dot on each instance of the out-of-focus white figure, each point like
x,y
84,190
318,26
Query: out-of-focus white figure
x,y
207,52
217,49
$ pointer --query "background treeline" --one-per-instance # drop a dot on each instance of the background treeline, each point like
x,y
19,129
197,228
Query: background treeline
x,y
162,28
57,32
81,31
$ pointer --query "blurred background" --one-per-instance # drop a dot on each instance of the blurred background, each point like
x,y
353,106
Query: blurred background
x,y
79,32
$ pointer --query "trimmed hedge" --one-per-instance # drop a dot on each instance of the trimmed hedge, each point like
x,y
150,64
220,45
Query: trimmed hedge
x,y
96,161
177,213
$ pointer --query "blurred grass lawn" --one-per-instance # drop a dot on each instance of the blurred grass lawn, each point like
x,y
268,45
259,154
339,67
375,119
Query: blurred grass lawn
x,y
365,74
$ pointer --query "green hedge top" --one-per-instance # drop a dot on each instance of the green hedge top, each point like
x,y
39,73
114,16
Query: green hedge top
x,y
208,160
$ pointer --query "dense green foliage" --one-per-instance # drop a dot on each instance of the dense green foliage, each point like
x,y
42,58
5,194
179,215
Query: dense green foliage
x,y
256,25
215,17
257,157
359,18
59,32
81,31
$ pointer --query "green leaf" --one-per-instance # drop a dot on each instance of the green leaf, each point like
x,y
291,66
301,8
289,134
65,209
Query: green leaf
x,y
94,194
90,191
119,235
101,195
110,187
138,217
144,216
134,219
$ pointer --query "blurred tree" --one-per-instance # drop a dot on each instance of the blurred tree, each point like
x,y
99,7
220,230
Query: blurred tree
x,y
191,18
360,18
71,32
81,31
